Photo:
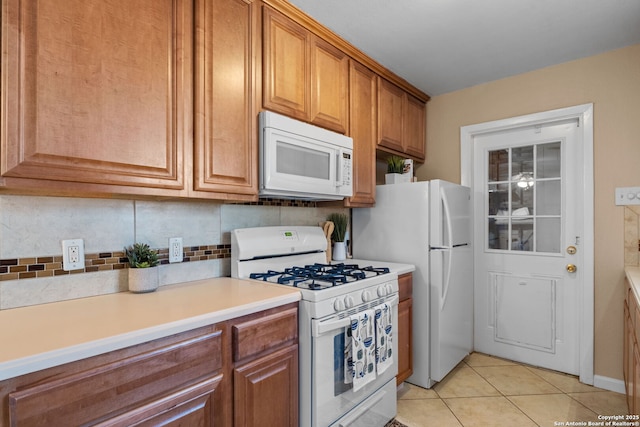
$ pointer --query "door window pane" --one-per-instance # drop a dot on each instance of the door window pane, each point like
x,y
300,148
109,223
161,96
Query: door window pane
x,y
522,234
548,197
548,160
522,162
498,237
499,199
548,235
521,199
499,165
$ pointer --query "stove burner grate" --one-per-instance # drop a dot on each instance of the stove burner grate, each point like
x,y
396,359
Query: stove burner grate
x,y
319,276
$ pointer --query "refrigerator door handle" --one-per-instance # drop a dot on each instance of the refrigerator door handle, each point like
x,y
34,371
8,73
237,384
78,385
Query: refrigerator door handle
x,y
447,281
447,216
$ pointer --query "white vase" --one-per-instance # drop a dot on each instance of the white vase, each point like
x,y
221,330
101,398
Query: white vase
x,y
143,280
396,178
339,251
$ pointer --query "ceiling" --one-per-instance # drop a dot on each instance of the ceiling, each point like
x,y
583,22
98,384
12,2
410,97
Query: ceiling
x,y
444,45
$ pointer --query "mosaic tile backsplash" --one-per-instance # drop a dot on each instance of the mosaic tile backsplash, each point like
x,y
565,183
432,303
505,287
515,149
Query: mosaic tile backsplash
x,y
632,236
32,228
31,268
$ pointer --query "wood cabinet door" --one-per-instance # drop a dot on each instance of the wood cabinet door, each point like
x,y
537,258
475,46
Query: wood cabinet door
x,y
405,327
405,347
390,115
362,86
266,390
329,86
285,65
97,92
225,154
414,124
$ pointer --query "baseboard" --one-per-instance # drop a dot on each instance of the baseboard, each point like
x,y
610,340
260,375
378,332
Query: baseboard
x,y
607,383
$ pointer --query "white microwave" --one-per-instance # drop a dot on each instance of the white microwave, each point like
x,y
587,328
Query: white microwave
x,y
302,161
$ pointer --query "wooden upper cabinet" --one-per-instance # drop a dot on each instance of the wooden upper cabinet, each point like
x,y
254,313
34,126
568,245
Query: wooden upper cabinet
x,y
390,115
225,134
401,121
303,76
414,127
97,92
285,65
329,86
362,111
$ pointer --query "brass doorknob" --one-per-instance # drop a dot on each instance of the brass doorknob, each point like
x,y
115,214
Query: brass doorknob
x,y
571,268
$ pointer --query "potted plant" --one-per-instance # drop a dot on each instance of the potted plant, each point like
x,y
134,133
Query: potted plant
x,y
340,222
395,170
143,274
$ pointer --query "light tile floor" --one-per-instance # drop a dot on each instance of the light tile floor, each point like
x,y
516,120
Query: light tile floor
x,y
487,391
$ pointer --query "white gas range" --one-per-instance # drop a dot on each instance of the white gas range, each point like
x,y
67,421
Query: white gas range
x,y
341,384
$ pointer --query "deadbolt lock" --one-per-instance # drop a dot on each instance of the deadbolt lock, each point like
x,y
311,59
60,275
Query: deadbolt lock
x,y
571,250
571,268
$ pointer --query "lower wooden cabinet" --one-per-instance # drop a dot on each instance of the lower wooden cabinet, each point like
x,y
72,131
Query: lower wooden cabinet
x,y
405,328
194,378
631,352
266,390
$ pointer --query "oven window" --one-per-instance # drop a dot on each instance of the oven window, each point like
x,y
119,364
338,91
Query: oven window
x,y
339,385
296,160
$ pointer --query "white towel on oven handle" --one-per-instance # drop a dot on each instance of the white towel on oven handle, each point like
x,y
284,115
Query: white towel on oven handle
x,y
363,349
384,337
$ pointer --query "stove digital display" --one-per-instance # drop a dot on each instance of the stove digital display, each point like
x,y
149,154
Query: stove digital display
x,y
289,235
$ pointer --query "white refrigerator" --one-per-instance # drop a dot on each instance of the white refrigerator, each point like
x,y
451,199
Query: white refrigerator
x,y
427,224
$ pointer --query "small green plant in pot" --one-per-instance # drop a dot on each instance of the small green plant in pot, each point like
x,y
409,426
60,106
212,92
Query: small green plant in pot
x,y
395,164
395,170
340,222
143,276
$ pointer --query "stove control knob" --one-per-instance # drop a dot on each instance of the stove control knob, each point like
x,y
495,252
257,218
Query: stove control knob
x,y
338,305
366,296
389,287
348,301
382,291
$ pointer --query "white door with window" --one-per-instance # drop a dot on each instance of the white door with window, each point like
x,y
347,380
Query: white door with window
x,y
533,249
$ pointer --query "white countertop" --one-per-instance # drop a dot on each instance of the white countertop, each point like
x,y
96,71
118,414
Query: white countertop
x,y
633,274
42,336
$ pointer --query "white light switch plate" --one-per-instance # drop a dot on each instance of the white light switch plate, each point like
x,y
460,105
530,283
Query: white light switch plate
x,y
627,196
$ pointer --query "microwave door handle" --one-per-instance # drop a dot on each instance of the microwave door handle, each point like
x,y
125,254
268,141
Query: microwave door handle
x,y
340,166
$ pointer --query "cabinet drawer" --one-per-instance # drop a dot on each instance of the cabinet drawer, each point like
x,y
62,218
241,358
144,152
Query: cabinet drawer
x,y
257,335
117,387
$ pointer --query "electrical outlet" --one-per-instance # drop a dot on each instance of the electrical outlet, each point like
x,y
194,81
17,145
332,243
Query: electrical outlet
x,y
175,249
72,254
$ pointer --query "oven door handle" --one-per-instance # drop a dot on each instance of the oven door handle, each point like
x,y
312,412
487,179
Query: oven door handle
x,y
319,327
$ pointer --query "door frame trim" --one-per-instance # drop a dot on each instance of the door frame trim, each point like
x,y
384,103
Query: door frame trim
x,y
584,114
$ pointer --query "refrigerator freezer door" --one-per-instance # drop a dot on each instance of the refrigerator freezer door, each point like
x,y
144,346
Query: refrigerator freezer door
x,y
450,214
451,278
